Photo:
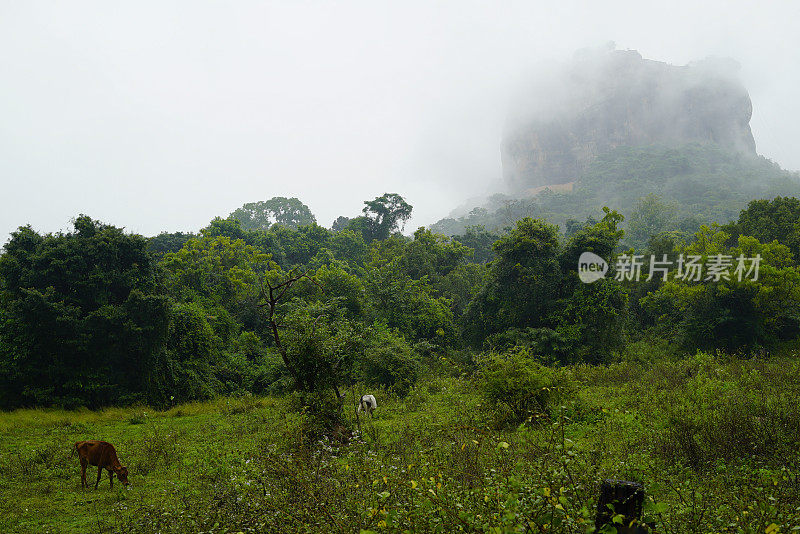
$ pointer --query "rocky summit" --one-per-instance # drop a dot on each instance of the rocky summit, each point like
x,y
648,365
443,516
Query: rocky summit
x,y
610,98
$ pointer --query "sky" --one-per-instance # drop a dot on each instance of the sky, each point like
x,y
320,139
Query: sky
x,y
160,116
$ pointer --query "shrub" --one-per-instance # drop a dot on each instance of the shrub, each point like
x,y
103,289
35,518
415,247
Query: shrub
x,y
514,384
388,361
729,412
321,414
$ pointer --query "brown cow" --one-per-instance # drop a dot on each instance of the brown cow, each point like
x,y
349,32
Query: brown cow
x,y
103,455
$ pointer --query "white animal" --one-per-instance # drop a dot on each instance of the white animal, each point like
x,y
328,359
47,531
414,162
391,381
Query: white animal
x,y
367,404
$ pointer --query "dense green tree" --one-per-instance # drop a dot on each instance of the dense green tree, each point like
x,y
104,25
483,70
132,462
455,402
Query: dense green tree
x,y
79,324
168,242
349,246
432,255
340,223
216,270
301,245
288,212
333,281
386,214
589,318
387,360
770,220
462,284
573,226
480,240
320,344
362,226
220,227
192,347
730,313
409,305
601,238
220,274
515,385
522,283
533,297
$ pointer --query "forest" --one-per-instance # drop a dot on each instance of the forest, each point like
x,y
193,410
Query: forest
x,y
506,386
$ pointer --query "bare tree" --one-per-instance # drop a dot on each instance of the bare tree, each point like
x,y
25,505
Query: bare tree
x,y
273,295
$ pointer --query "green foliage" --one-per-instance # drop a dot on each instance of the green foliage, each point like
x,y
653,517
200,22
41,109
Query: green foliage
x,y
220,227
78,323
362,226
320,343
515,386
601,238
480,240
703,183
349,246
386,214
771,220
409,305
522,283
288,212
590,324
168,242
221,274
533,297
336,283
387,360
462,284
432,256
340,223
731,314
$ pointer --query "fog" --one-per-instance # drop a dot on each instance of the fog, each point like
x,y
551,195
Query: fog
x,y
160,116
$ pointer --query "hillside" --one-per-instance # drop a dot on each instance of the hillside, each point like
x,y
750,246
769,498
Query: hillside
x,y
701,183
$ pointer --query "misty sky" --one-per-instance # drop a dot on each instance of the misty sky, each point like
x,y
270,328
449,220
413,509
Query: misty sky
x,y
162,115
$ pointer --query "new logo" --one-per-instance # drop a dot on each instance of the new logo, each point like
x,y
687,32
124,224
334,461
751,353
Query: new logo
x,y
591,267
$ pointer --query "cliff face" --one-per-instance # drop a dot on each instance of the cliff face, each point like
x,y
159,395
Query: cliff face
x,y
612,98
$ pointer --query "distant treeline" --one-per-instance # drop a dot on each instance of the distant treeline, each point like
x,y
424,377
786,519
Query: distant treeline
x,y
266,300
695,185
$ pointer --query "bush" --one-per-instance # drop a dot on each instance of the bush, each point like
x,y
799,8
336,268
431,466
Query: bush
x,y
239,375
515,385
388,361
738,426
321,414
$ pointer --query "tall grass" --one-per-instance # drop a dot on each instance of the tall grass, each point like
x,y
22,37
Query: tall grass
x,y
710,437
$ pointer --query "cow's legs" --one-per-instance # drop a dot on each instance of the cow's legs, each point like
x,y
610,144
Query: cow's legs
x,y
83,473
111,478
99,474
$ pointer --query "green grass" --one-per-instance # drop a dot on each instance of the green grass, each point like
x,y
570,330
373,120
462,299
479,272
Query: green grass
x,y
40,479
711,438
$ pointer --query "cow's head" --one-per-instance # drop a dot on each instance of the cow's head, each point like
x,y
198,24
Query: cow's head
x,y
122,474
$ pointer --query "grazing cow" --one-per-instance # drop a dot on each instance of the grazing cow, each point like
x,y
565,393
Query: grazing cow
x,y
367,404
104,456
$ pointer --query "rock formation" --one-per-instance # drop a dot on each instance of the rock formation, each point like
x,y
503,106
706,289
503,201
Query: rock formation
x,y
608,98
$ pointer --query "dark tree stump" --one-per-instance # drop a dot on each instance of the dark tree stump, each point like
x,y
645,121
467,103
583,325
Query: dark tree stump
x,y
627,498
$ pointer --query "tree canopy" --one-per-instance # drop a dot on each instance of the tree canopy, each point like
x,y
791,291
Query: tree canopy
x,y
98,316
289,212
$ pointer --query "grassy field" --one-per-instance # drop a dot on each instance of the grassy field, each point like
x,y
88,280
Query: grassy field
x,y
715,441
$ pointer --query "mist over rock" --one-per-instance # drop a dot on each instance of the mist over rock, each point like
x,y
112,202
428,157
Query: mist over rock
x,y
609,98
